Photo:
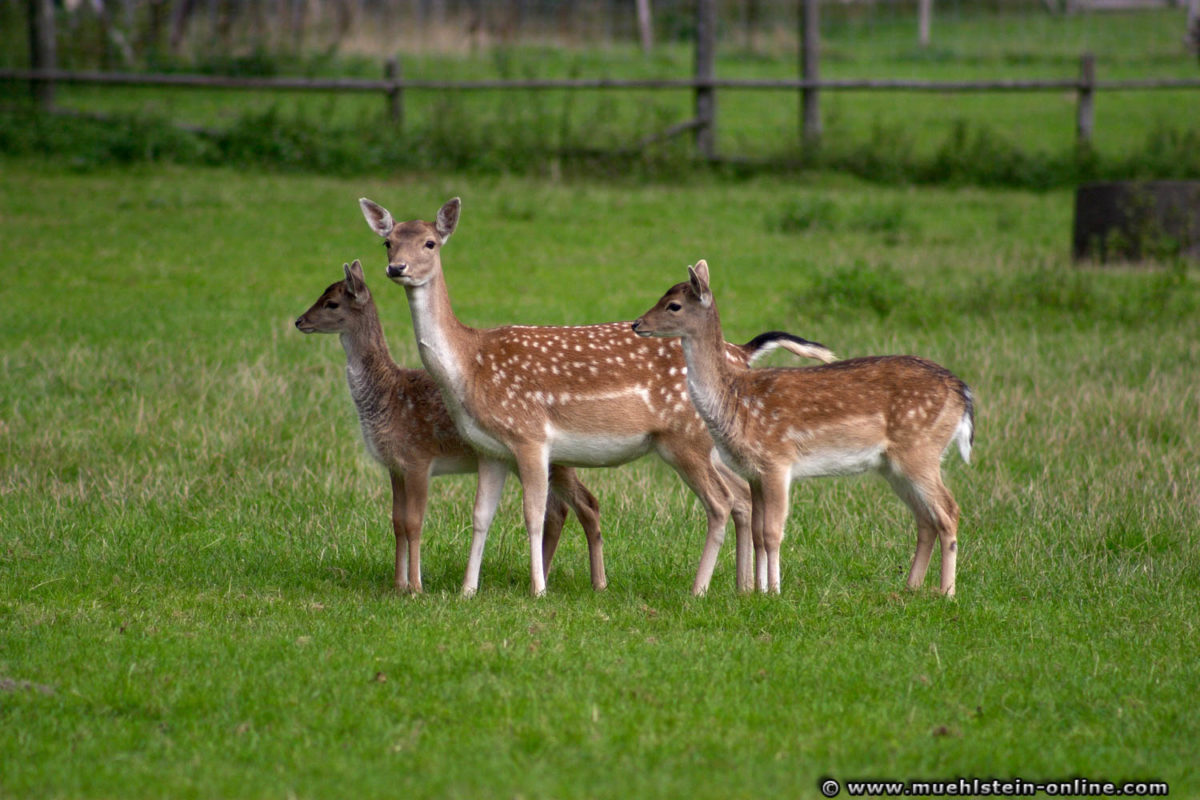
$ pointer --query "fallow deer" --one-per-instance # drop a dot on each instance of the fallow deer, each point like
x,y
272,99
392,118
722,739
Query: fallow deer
x,y
593,395
407,429
894,414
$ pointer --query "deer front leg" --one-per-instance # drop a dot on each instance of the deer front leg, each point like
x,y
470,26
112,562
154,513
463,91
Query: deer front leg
x,y
775,508
533,469
416,495
760,548
743,524
490,484
400,577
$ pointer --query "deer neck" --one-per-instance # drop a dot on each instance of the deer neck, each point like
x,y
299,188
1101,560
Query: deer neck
x,y
370,370
442,340
709,378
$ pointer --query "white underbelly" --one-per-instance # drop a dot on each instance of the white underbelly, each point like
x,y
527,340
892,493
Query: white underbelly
x,y
594,450
826,463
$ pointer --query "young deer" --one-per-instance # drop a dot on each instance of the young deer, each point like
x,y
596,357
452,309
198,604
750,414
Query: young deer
x,y
591,395
406,429
893,414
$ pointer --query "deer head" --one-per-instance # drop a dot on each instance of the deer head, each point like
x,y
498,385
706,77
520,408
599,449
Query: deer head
x,y
413,248
674,314
341,303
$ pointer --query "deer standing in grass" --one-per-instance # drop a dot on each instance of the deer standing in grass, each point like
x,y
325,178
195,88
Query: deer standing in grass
x,y
894,414
407,429
592,395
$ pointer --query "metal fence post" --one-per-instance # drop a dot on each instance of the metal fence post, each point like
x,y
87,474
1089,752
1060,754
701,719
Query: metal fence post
x,y
392,71
1085,113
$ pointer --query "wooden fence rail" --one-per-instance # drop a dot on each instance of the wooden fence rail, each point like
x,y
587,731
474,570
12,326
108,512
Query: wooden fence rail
x,y
394,85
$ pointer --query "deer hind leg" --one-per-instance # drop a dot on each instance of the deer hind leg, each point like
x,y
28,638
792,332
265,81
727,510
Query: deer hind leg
x,y
936,515
491,477
552,526
947,513
533,469
400,577
565,481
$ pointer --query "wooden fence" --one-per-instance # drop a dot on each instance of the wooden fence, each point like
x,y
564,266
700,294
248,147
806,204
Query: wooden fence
x,y
42,77
392,86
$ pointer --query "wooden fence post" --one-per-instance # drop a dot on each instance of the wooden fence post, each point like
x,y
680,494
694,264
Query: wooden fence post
x,y
392,71
706,98
1192,33
1085,113
810,42
645,26
924,22
43,53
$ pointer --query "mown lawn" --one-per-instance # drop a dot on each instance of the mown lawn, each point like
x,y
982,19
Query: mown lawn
x,y
195,557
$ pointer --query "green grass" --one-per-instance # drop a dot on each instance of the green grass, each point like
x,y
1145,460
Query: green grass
x,y
195,555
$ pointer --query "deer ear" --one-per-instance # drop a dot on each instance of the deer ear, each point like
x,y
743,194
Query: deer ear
x,y
698,277
378,217
447,218
355,281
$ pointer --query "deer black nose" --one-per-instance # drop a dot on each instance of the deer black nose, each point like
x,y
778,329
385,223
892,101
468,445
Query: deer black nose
x,y
396,270
298,321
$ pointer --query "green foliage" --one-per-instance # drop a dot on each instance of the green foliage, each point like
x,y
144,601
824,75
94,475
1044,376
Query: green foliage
x,y
812,212
1009,139
888,155
806,214
85,142
1168,152
531,137
858,288
971,155
1052,295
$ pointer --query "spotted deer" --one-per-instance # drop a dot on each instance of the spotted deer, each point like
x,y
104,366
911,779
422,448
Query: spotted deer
x,y
896,415
407,429
593,395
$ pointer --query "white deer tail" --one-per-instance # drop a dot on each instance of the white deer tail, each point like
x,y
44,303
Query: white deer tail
x,y
964,434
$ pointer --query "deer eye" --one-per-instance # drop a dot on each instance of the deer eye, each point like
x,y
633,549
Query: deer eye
x,y
673,306
331,305
430,244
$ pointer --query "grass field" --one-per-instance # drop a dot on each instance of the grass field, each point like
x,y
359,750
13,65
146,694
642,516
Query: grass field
x,y
195,558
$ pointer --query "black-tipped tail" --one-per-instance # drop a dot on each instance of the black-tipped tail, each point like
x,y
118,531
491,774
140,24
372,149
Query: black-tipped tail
x,y
764,343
